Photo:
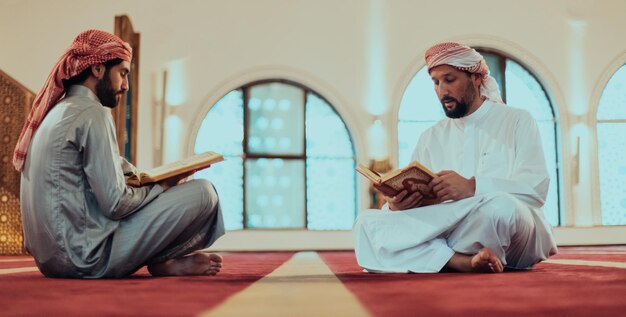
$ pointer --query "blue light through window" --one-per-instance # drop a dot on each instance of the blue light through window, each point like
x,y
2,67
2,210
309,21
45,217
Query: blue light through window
x,y
296,169
611,148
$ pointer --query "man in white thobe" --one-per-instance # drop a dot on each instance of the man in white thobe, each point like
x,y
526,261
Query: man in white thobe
x,y
491,175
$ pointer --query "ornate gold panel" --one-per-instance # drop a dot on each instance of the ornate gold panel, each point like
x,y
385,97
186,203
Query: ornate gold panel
x,y
15,102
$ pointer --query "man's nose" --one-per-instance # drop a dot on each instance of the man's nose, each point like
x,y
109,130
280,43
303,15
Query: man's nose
x,y
442,91
124,87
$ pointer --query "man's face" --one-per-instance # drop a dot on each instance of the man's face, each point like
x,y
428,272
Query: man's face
x,y
457,90
113,85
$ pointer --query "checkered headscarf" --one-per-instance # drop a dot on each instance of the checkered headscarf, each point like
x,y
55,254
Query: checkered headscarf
x,y
464,58
90,47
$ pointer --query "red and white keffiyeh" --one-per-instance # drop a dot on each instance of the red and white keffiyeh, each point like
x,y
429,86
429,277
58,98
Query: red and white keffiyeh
x,y
464,58
90,47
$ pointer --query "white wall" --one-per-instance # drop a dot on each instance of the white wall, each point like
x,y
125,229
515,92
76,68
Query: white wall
x,y
360,55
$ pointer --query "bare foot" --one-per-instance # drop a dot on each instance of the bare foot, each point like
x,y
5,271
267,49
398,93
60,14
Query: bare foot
x,y
485,261
196,263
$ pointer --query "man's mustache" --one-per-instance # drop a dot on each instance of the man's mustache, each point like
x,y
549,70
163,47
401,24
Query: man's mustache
x,y
448,99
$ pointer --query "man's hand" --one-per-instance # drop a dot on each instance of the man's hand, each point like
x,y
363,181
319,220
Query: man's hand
x,y
175,180
403,201
449,185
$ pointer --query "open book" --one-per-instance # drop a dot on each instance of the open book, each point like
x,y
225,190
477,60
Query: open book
x,y
414,177
157,174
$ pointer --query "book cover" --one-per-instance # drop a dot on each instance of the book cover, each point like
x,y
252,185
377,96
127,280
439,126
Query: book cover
x,y
414,177
192,163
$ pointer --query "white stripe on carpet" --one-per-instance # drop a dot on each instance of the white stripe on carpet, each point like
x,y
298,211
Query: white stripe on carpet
x,y
302,286
16,260
621,265
18,270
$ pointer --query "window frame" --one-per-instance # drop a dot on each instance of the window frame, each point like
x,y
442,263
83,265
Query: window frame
x,y
246,155
597,213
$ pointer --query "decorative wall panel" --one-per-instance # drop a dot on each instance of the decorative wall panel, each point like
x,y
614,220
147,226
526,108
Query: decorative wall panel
x,y
15,102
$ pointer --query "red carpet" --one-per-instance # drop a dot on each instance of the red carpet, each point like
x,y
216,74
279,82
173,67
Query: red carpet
x,y
140,295
592,257
8,262
595,253
547,290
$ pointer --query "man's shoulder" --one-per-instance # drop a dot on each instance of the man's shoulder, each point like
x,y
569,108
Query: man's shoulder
x,y
443,122
85,112
511,112
437,128
84,105
81,102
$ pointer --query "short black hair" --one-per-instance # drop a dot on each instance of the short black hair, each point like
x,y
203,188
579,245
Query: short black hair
x,y
80,78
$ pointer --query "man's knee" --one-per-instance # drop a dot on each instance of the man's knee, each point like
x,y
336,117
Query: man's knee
x,y
200,196
365,219
504,208
210,198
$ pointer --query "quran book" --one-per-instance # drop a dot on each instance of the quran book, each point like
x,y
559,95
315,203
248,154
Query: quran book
x,y
157,174
414,177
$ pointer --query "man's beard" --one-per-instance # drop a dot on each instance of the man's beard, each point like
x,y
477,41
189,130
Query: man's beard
x,y
462,106
459,111
106,93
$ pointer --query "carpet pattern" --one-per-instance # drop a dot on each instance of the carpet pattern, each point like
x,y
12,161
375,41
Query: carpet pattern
x,y
327,283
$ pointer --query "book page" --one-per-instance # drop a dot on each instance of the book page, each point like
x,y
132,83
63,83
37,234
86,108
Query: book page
x,y
413,165
191,163
422,168
368,173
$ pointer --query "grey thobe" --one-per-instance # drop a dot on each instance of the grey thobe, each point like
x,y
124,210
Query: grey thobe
x,y
80,218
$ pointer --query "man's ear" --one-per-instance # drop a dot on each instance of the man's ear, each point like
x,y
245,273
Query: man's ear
x,y
98,70
477,79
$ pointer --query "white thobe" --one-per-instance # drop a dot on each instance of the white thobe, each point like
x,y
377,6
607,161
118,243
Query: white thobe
x,y
501,147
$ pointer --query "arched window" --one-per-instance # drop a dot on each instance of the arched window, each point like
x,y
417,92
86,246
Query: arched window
x,y
289,159
420,109
611,127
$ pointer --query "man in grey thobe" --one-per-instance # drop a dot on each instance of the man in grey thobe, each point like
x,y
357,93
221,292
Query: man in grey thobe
x,y
81,219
